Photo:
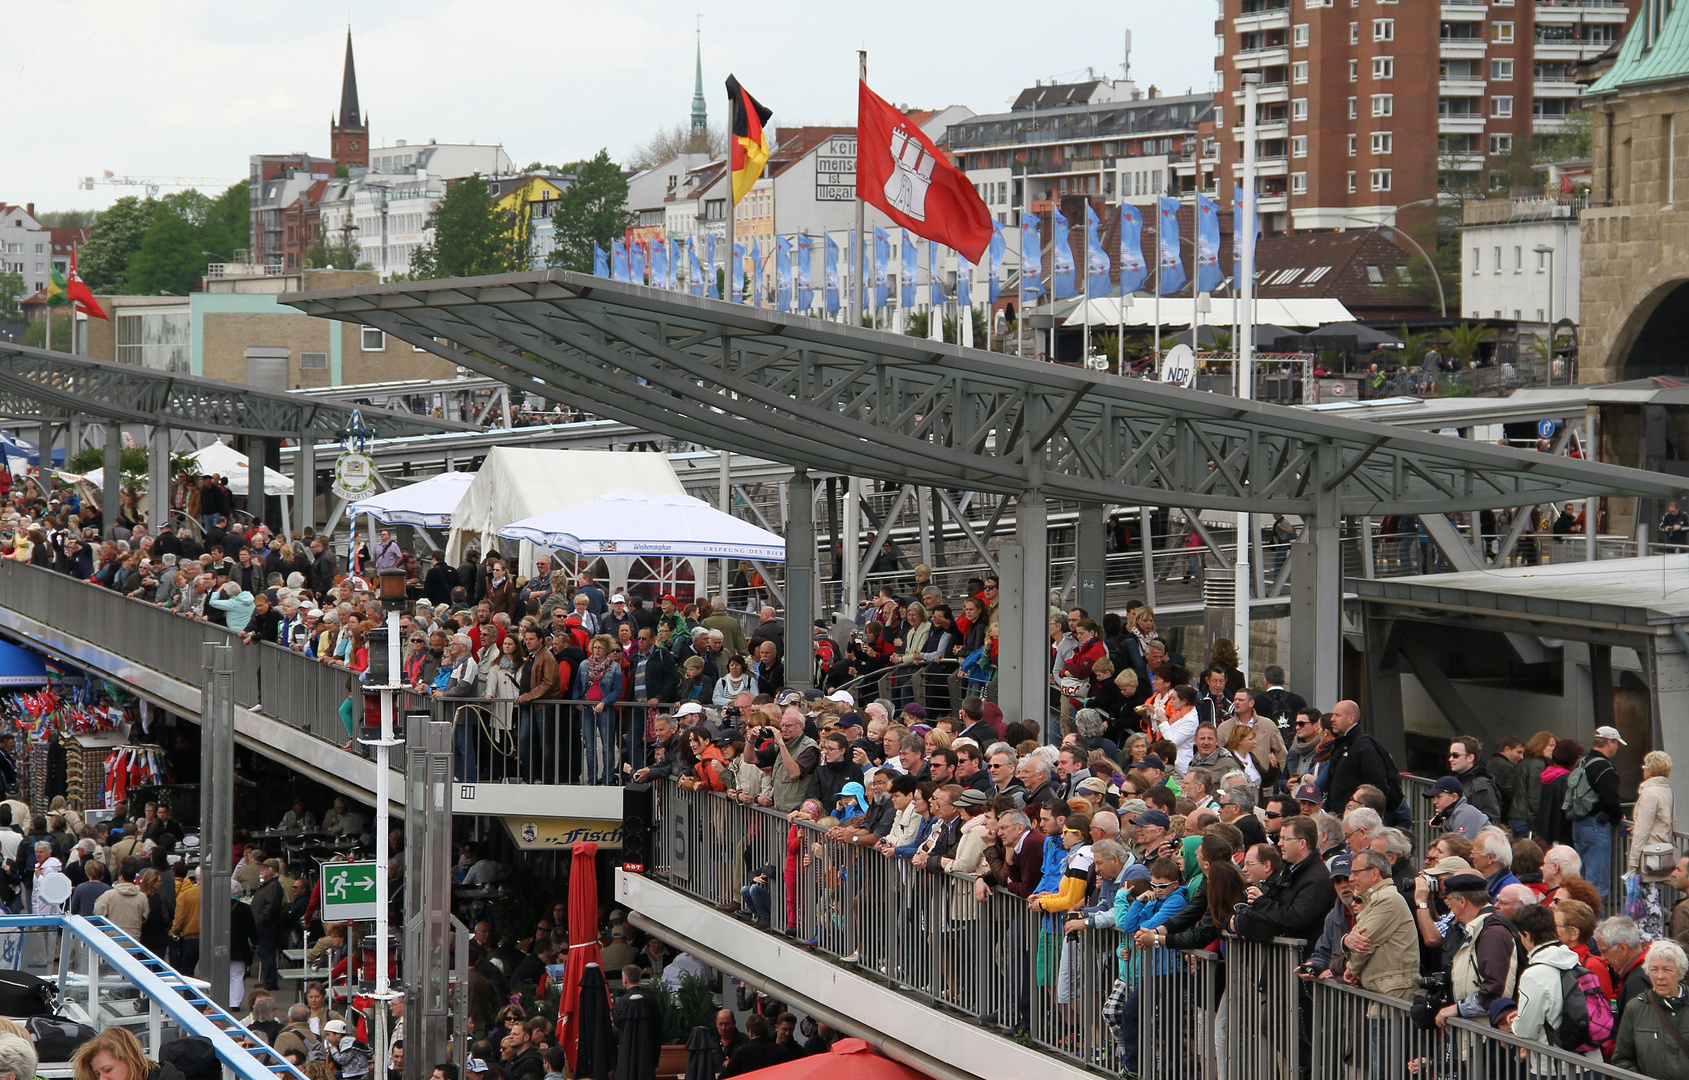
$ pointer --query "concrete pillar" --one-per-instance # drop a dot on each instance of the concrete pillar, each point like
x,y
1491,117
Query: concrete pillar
x,y
1032,616
255,477
1091,551
1316,591
305,483
158,479
217,766
111,497
1011,600
800,580
73,440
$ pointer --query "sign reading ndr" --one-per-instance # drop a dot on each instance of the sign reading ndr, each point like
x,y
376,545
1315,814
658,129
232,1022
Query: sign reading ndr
x,y
348,891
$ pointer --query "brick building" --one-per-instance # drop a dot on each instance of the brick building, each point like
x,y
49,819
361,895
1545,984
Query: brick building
x,y
1370,106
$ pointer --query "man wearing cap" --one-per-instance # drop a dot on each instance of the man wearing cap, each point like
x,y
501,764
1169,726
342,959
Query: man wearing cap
x,y
1309,798
1149,835
1486,966
1328,960
1454,814
611,621
1592,834
269,906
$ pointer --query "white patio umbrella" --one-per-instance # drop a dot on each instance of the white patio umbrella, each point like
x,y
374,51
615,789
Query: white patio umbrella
x,y
224,460
626,522
426,504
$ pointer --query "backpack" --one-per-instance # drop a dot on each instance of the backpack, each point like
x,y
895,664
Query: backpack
x,y
1579,802
1586,1016
826,655
1273,705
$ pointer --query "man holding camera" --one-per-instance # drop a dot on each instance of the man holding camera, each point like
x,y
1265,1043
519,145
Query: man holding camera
x,y
1486,966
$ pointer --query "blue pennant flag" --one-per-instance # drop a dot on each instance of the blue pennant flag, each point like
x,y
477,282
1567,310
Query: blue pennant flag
x,y
882,255
806,272
908,265
712,288
619,260
964,271
1237,237
853,264
674,265
1031,259
1061,269
832,275
935,288
1167,242
1133,272
695,274
660,264
600,262
994,252
756,272
638,270
1207,243
783,273
736,273
1096,259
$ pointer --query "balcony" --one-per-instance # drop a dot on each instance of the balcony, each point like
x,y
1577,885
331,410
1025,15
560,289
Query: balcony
x,y
1461,160
1268,19
1574,11
1275,129
1272,204
1464,10
1461,88
1460,124
1461,49
1255,59
1268,94
1278,165
1557,49
1559,86
1548,125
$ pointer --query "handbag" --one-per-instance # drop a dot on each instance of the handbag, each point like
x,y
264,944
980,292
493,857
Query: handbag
x,y
1658,857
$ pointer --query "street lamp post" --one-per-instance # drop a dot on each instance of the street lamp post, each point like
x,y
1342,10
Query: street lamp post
x,y
1442,300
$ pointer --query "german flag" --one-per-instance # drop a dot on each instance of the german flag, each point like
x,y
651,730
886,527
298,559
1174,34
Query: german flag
x,y
749,150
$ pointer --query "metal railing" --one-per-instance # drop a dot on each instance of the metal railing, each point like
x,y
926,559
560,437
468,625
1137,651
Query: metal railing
x,y
550,741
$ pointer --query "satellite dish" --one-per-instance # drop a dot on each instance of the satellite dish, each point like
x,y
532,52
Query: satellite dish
x,y
54,888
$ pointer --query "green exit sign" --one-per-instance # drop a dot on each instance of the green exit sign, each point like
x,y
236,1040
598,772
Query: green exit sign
x,y
348,890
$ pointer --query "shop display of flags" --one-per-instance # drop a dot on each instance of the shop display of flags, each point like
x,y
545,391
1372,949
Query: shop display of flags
x,y
899,170
1237,237
806,275
695,272
600,262
882,254
711,288
1207,243
1133,271
1096,259
994,274
748,152
659,265
756,272
1061,256
1031,259
637,266
783,273
832,275
618,260
908,262
1167,242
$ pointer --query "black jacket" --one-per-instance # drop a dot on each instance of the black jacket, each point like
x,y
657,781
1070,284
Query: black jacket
x,y
827,780
722,1054
1294,905
1604,780
757,1053
322,574
242,932
438,584
268,908
661,680
1483,792
1356,759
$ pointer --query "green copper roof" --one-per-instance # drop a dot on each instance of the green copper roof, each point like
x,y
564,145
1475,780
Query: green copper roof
x,y
1668,59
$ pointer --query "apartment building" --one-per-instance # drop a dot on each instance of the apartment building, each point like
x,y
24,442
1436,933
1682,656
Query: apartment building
x,y
1370,107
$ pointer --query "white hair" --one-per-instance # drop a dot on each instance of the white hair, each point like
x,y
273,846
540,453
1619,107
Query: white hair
x,y
1672,951
1618,930
1567,859
1493,842
17,1057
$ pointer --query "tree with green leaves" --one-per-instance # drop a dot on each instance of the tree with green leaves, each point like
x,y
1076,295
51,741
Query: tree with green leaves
x,y
115,236
593,211
12,289
469,235
228,221
171,257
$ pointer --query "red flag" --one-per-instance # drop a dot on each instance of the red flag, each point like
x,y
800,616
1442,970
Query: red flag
x,y
77,290
899,170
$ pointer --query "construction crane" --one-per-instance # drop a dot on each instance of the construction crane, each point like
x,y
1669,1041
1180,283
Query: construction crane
x,y
153,184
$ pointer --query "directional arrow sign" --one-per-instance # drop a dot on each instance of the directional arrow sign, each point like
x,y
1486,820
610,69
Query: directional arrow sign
x,y
348,890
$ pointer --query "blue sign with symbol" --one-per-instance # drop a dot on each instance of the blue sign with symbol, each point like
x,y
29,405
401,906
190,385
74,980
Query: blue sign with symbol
x,y
1545,429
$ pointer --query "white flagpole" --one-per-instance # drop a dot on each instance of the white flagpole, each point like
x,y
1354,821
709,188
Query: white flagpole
x,y
1020,287
1155,342
1120,310
858,301
1245,299
1085,249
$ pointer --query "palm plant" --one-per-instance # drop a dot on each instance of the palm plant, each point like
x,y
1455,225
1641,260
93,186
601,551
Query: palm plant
x,y
1463,341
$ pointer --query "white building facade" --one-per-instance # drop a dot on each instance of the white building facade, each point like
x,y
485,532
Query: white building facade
x,y
1519,260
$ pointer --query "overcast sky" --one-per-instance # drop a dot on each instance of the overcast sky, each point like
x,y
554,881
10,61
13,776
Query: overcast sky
x,y
191,87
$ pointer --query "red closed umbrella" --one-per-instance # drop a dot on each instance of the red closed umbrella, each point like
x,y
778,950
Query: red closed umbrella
x,y
583,945
848,1059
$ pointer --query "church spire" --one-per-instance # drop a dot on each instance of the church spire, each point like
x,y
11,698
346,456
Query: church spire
x,y
348,133
700,111
350,117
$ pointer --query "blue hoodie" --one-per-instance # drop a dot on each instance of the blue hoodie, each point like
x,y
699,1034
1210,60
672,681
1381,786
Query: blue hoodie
x,y
1146,914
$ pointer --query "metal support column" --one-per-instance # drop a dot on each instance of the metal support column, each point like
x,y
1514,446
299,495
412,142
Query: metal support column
x,y
1011,599
1316,589
255,477
1091,551
852,547
217,813
1382,710
111,495
724,463
158,478
800,580
1031,647
428,892
44,448
1601,683
305,484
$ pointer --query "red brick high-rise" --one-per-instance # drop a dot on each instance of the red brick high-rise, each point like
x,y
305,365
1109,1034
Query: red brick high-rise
x,y
1367,106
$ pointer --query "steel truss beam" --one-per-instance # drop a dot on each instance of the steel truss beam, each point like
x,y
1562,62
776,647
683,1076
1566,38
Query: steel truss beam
x,y
837,398
41,384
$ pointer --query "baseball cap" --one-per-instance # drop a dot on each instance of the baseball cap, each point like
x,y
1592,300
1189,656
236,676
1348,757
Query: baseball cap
x,y
690,708
849,720
1094,784
1310,792
1340,866
618,599
1446,785
1131,807
915,709
1609,734
473,1064
338,1027
843,696
787,697
1153,761
1452,864
1466,881
1499,1008
1152,817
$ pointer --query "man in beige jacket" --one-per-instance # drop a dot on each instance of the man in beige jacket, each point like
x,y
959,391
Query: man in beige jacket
x,y
125,905
1382,950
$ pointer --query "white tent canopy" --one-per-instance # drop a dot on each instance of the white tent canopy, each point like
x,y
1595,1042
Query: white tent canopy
x,y
634,523
224,460
428,503
1104,311
516,483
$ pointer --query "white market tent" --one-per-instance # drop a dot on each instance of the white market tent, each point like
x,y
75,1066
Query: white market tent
x,y
516,483
219,458
1104,311
634,523
427,504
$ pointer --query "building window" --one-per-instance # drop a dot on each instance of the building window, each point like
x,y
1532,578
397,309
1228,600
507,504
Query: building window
x,y
1352,145
1496,251
1383,104
1299,72
1353,108
1383,142
1501,106
1354,71
1375,275
1298,185
1298,146
1384,29
1299,35
1380,179
372,340
1477,261
1351,183
1501,144
1501,70
1383,67
1501,33
1299,109
1542,261
1518,259
1354,33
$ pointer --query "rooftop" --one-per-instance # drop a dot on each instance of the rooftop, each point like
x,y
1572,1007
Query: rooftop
x,y
1648,56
